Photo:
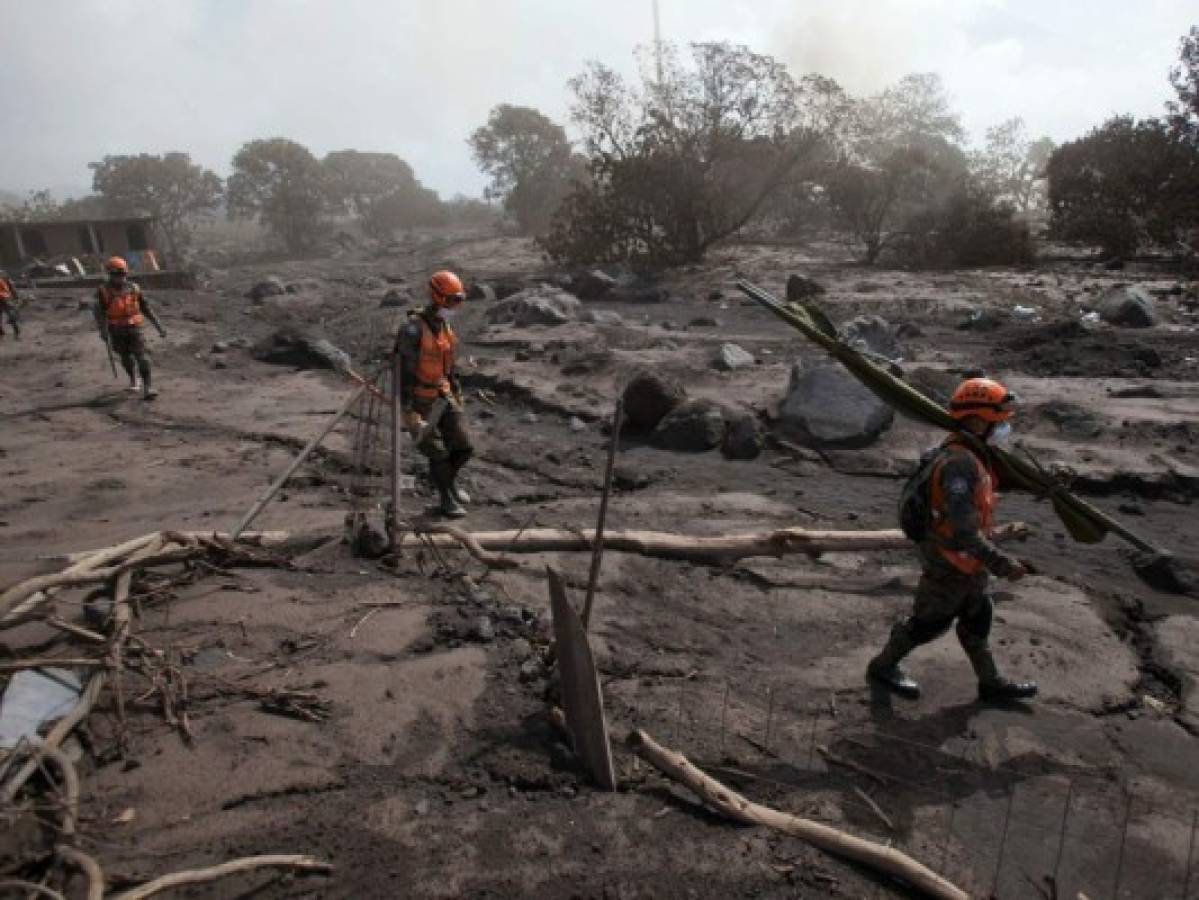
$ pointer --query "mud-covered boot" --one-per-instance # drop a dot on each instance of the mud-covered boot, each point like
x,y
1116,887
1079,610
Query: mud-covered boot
x,y
894,679
458,493
448,506
993,687
884,669
1001,690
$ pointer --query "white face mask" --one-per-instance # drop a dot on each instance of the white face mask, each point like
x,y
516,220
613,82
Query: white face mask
x,y
1000,434
446,313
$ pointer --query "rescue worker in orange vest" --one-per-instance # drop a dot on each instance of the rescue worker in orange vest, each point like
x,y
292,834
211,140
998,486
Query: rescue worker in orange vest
x,y
427,346
8,305
956,555
121,310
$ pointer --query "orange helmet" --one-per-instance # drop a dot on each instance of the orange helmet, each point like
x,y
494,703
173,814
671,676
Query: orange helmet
x,y
117,264
982,397
446,288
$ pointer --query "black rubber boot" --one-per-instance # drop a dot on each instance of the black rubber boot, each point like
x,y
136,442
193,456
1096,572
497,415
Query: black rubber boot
x,y
894,679
449,507
993,687
884,668
458,493
1002,690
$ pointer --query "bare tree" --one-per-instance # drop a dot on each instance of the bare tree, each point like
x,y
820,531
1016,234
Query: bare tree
x,y
681,162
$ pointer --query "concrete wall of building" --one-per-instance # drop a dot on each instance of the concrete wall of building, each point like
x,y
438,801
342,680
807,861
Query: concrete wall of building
x,y
20,242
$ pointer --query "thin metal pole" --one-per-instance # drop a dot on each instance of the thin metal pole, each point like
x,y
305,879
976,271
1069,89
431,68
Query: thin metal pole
x,y
1007,821
597,552
396,438
1186,882
1061,840
270,492
1123,843
769,715
724,708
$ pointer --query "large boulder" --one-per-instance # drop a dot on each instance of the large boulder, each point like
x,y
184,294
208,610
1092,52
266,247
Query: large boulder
x,y
692,426
480,291
1131,307
593,285
268,287
800,288
648,398
1073,421
730,358
287,347
826,406
872,333
541,305
742,437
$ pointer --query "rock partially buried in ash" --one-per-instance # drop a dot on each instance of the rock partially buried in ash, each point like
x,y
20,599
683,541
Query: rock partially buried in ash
x,y
827,407
647,400
693,426
1130,307
268,287
541,305
800,288
291,348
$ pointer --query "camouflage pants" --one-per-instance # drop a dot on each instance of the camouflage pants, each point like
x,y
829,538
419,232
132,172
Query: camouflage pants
x,y
944,597
8,310
449,447
129,344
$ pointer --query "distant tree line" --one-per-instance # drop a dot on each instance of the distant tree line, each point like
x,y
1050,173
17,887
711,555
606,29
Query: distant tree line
x,y
711,143
276,181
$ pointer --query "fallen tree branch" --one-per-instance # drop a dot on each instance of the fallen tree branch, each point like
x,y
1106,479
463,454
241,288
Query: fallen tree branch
x,y
212,873
39,889
468,541
726,549
88,865
716,796
42,662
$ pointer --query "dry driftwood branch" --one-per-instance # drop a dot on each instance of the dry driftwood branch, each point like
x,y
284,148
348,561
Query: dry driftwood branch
x,y
41,662
79,631
100,565
212,873
468,541
37,889
89,867
874,807
726,549
70,785
715,795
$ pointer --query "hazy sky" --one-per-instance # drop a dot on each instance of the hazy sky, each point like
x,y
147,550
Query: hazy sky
x,y
83,78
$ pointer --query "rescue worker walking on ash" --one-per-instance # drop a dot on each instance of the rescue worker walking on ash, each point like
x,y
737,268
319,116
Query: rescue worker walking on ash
x,y
948,508
8,305
121,310
430,393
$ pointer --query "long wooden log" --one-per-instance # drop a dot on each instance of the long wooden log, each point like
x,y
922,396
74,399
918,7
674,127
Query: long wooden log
x,y
212,873
729,803
725,548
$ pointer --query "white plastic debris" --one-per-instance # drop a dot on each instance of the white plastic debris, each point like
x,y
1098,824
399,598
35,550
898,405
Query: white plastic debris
x,y
1090,318
34,697
1024,312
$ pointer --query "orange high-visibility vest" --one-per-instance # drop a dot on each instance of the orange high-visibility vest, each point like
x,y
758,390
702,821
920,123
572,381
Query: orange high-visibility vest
x,y
6,289
435,361
984,498
123,308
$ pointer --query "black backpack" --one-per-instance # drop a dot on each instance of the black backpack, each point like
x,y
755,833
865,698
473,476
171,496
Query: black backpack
x,y
915,498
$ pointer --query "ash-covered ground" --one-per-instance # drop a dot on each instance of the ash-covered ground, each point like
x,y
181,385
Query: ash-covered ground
x,y
436,774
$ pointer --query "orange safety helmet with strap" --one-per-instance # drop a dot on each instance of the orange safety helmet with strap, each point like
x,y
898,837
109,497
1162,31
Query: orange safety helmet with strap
x,y
122,308
434,361
990,401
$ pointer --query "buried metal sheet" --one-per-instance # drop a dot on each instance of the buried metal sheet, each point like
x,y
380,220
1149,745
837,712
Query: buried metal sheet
x,y
582,699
